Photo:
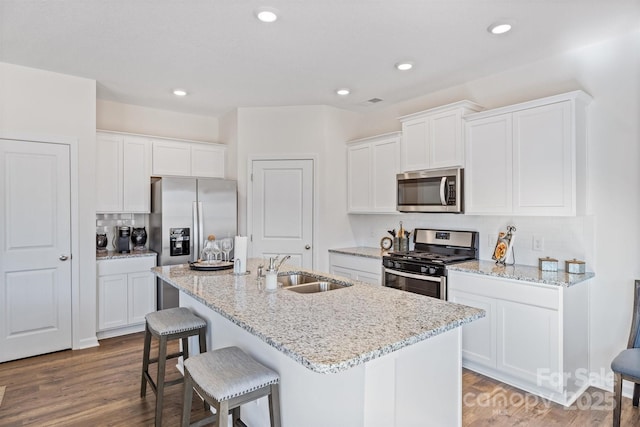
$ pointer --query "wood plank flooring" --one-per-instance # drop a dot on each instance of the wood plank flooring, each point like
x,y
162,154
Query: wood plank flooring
x,y
100,387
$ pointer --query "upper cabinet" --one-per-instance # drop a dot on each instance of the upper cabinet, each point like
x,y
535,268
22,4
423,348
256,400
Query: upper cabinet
x,y
435,138
123,169
181,158
529,158
372,165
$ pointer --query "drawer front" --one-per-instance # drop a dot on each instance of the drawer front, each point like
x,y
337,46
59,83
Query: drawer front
x,y
125,265
506,289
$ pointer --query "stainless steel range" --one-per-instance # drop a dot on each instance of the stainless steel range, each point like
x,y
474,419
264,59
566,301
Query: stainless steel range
x,y
423,270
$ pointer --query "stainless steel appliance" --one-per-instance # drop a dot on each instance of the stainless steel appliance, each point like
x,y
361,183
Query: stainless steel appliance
x,y
435,190
184,211
423,270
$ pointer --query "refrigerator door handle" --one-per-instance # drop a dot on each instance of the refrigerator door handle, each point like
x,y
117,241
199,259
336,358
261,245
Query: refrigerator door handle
x,y
195,243
200,229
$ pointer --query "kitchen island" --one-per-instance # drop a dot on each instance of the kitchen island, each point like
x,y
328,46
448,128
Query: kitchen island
x,y
362,355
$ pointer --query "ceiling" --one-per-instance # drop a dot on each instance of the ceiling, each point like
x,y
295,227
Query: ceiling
x,y
138,51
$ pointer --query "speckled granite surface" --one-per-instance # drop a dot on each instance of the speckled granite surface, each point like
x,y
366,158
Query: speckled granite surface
x,y
328,331
117,255
363,251
526,273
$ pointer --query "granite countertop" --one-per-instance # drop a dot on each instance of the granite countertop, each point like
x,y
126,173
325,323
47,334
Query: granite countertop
x,y
327,331
525,273
362,251
117,255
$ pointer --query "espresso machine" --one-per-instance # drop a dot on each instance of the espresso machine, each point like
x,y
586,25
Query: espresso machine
x,y
122,238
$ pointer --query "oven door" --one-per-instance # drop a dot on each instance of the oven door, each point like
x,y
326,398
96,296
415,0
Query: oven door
x,y
435,287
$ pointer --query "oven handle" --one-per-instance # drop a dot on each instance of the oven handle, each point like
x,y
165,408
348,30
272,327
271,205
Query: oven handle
x,y
412,276
443,187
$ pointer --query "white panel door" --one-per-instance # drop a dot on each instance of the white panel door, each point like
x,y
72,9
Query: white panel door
x,y
141,299
359,167
35,249
108,172
136,175
415,145
488,174
385,167
446,140
543,168
282,210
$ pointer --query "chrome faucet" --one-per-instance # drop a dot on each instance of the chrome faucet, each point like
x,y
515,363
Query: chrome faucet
x,y
273,261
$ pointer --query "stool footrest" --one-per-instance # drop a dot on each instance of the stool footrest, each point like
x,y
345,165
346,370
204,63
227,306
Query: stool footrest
x,y
169,356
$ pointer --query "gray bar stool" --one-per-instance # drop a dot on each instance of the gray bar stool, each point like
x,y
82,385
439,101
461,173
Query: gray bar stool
x,y
167,325
227,378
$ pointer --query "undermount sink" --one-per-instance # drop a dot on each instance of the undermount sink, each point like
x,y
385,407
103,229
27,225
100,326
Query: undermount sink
x,y
314,287
306,284
295,279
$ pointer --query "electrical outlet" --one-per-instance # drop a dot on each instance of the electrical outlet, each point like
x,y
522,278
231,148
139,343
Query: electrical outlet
x,y
492,240
537,243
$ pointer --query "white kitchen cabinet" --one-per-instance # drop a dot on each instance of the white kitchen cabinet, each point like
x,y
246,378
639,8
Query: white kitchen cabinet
x,y
534,337
184,158
372,165
356,267
123,170
434,138
126,293
528,159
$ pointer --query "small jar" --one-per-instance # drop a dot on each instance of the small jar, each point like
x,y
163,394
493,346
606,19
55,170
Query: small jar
x,y
548,264
574,266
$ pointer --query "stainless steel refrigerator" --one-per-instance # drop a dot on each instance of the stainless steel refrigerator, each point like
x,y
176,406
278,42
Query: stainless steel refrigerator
x,y
184,211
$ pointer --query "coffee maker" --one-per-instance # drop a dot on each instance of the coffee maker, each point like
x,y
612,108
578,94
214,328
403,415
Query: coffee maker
x,y
122,239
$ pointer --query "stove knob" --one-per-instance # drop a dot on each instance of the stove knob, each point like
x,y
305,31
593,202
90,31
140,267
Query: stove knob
x,y
423,269
397,265
432,270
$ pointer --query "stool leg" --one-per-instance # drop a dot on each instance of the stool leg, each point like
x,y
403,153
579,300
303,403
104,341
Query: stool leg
x,y
202,341
274,405
162,362
617,396
185,348
223,414
145,361
186,401
235,415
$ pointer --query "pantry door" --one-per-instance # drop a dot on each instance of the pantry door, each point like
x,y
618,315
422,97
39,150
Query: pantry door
x,y
35,252
281,207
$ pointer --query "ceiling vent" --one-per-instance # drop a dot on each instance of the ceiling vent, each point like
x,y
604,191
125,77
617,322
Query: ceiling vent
x,y
374,100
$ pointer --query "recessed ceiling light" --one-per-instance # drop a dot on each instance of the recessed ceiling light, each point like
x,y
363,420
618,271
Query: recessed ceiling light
x,y
499,28
267,14
180,92
343,92
404,66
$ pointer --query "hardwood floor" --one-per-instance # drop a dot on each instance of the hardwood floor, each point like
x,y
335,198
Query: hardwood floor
x,y
100,387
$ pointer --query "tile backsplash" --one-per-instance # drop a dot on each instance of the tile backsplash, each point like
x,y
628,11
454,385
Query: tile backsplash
x,y
107,223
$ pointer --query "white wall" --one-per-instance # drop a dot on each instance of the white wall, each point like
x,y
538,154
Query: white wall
x,y
307,131
43,105
608,239
151,121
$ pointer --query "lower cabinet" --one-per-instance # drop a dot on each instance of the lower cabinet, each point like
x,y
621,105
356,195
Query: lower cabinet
x,y
356,267
126,293
534,337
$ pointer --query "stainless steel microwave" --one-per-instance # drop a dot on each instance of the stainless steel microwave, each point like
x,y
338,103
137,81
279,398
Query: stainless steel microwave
x,y
433,190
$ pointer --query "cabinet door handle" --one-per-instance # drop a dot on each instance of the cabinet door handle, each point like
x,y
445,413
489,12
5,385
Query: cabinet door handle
x,y
307,247
63,258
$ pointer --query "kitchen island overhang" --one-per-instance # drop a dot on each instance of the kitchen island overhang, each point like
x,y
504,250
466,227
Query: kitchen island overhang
x,y
359,356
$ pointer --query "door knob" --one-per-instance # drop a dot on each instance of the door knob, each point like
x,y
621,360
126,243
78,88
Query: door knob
x,y
63,258
307,247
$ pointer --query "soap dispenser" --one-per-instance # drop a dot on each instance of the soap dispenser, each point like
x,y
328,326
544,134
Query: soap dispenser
x,y
271,276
